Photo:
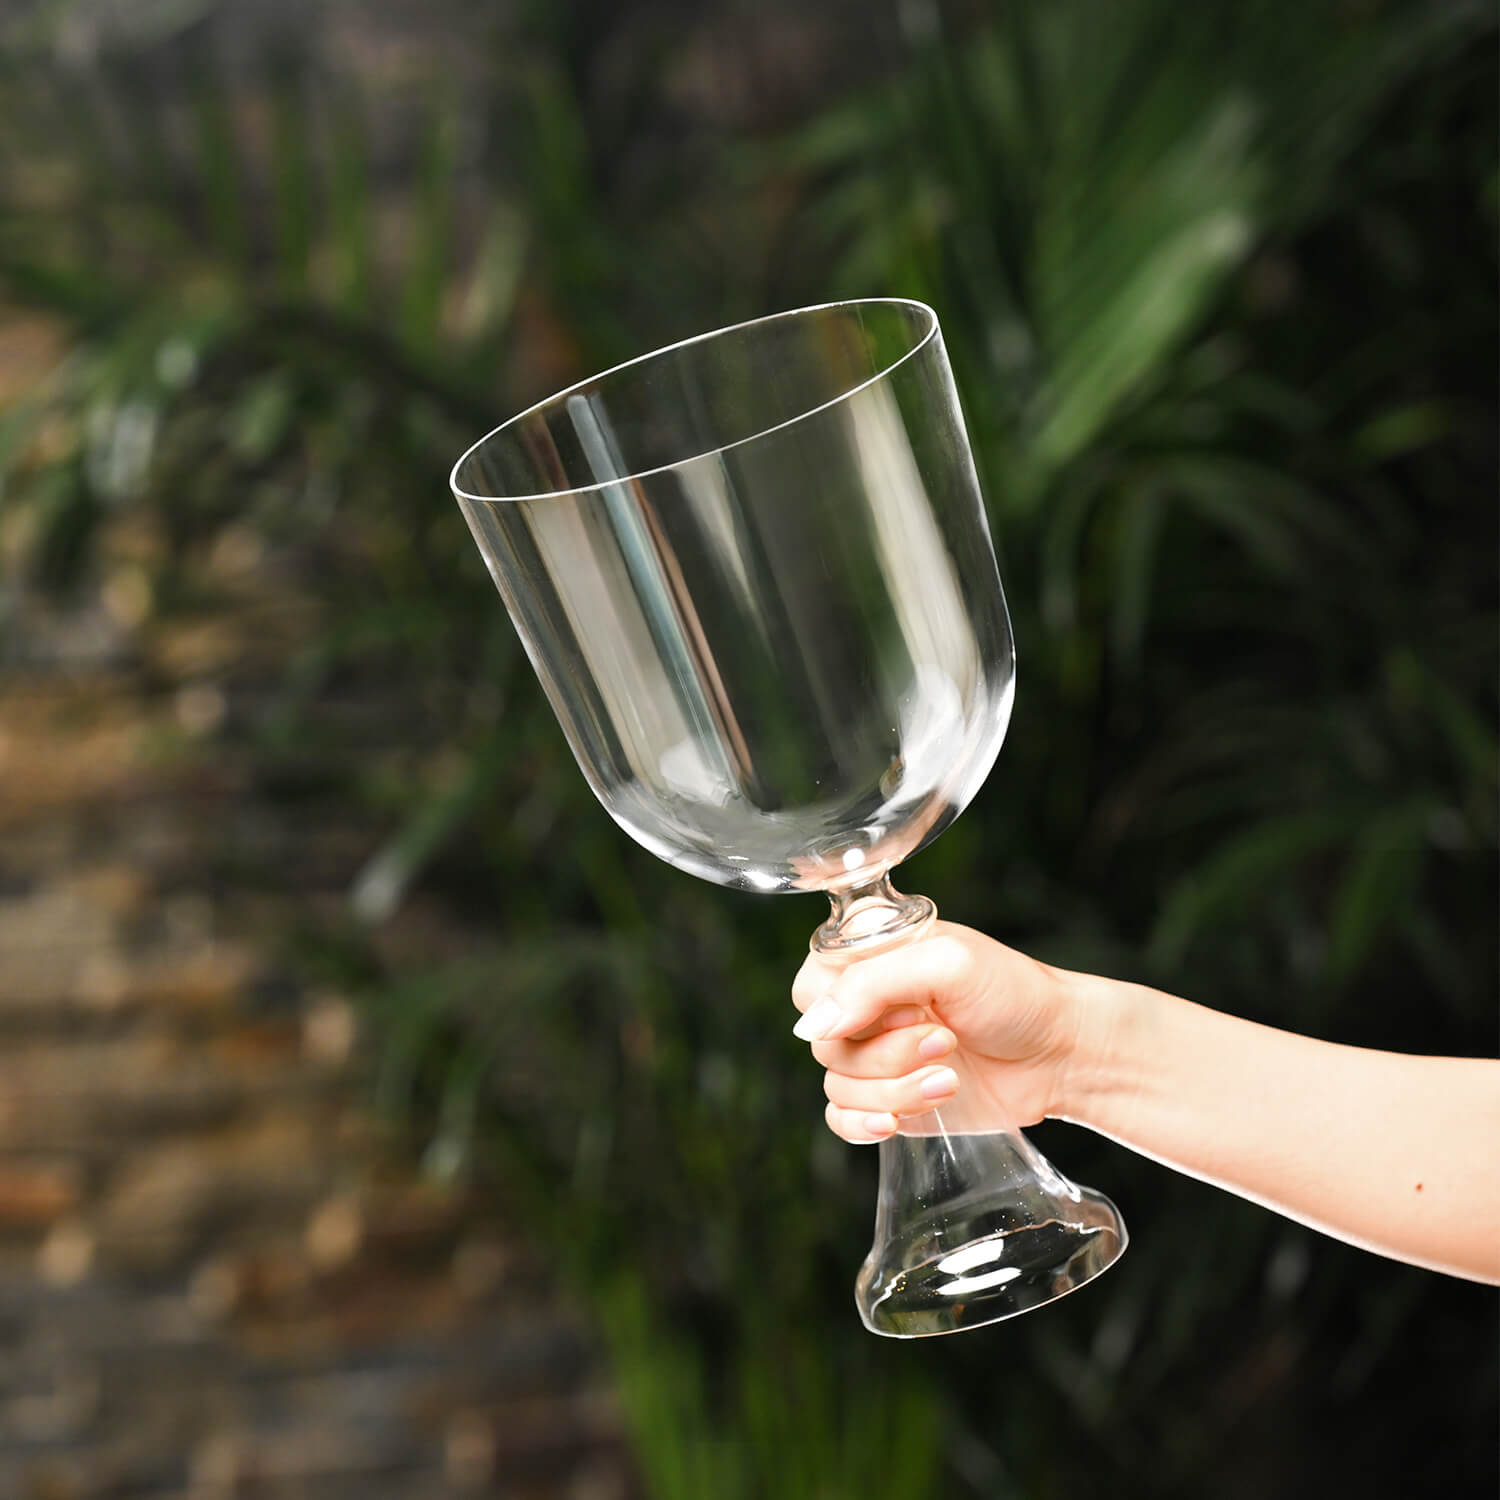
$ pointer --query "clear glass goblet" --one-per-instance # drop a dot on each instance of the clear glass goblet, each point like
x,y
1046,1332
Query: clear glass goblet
x,y
754,576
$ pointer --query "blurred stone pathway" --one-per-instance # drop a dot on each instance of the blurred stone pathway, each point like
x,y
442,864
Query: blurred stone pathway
x,y
216,1279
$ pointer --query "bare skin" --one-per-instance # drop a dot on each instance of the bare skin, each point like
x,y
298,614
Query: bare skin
x,y
1398,1154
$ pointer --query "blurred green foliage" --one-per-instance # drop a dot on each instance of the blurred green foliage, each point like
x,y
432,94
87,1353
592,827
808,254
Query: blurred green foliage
x,y
1220,288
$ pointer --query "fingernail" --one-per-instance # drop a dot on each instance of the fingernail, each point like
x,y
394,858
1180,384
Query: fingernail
x,y
935,1085
880,1124
818,1021
935,1044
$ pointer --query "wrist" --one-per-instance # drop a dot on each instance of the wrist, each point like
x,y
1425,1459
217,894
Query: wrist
x,y
1103,1070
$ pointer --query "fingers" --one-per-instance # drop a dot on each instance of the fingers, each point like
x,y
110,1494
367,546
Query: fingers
x,y
857,1127
841,1005
871,1030
887,1053
914,1094
862,1111
813,981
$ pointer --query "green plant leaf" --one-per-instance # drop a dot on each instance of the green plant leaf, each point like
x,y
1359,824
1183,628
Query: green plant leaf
x,y
431,222
1231,882
263,418
1142,514
1379,876
352,207
290,170
220,165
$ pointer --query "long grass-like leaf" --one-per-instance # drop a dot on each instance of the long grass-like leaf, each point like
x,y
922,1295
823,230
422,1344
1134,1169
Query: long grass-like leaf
x,y
428,266
1142,515
352,215
381,884
1239,874
290,171
496,277
1216,494
221,173
1381,872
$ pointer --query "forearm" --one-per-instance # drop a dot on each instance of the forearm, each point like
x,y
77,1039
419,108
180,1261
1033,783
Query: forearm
x,y
1399,1154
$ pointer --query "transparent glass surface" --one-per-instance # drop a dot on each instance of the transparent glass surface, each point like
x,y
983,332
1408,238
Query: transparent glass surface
x,y
754,576
755,579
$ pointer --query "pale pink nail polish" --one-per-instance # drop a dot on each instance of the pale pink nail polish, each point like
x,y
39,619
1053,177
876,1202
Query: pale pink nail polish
x,y
944,1081
935,1044
818,1021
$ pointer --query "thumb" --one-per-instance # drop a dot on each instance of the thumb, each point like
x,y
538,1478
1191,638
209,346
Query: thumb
x,y
918,974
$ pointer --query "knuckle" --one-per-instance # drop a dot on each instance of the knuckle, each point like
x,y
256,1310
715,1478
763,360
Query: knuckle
x,y
812,979
897,1046
856,1093
833,1117
948,961
852,991
912,1100
865,996
805,989
885,1057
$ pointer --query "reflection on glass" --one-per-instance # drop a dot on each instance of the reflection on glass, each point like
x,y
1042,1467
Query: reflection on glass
x,y
754,576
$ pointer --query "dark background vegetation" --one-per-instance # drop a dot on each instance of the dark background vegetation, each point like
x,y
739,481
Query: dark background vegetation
x,y
1219,283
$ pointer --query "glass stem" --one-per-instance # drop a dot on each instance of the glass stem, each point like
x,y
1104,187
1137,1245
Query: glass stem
x,y
869,917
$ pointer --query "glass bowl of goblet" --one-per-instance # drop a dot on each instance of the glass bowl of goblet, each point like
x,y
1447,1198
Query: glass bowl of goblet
x,y
755,578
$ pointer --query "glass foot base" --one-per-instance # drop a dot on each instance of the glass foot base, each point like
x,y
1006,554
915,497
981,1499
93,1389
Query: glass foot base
x,y
998,1271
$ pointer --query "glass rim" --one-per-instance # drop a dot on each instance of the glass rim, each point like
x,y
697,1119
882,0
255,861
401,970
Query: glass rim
x,y
601,484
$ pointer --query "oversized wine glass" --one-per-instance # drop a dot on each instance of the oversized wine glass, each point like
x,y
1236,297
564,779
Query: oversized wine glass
x,y
754,576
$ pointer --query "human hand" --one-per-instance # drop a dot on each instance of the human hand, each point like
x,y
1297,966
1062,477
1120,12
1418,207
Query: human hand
x,y
955,1021
1391,1152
